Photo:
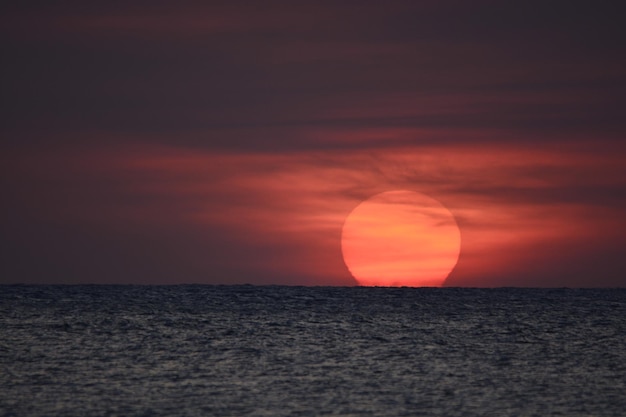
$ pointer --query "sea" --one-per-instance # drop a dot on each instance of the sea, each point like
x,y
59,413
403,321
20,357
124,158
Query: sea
x,y
200,350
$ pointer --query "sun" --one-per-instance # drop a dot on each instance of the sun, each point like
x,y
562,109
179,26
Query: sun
x,y
400,238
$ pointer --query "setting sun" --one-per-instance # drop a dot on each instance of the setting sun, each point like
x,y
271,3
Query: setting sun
x,y
400,238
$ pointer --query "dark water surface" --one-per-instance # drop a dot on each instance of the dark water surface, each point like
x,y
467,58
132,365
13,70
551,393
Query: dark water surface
x,y
266,351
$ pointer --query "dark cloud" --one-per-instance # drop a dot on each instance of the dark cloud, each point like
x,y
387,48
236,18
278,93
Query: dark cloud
x,y
208,75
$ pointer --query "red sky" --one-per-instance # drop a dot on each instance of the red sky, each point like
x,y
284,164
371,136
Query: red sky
x,y
227,143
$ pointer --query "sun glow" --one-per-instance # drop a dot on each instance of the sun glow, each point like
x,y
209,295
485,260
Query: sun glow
x,y
400,238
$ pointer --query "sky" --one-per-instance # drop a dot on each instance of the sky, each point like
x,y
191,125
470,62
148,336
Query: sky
x,y
226,142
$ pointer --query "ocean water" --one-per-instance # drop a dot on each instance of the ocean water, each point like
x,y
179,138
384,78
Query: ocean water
x,y
298,351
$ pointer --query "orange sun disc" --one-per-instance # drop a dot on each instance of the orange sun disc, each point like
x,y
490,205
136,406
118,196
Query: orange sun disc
x,y
400,238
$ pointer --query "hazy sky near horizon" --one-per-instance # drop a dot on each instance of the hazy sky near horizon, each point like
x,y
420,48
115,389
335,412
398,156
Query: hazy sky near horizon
x,y
226,142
